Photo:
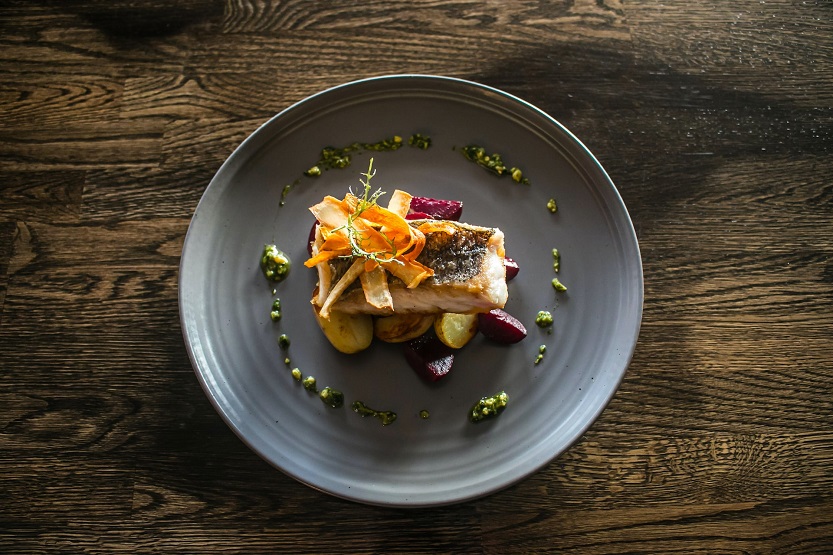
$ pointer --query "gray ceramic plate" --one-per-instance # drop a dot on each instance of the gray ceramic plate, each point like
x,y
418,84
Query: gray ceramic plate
x,y
225,300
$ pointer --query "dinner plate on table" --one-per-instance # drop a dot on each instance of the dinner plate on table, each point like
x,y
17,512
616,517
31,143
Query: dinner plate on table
x,y
225,300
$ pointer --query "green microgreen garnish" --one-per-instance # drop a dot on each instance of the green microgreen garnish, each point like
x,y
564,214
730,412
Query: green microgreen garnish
x,y
354,236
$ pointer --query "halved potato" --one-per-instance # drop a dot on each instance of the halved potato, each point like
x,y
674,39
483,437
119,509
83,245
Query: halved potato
x,y
455,330
348,333
402,327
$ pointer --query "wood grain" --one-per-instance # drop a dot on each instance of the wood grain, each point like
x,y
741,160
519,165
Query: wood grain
x,y
715,121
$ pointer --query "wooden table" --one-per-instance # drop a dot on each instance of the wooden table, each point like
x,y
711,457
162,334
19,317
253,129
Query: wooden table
x,y
715,121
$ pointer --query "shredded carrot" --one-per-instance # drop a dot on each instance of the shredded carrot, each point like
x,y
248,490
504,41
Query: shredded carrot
x,y
434,226
350,228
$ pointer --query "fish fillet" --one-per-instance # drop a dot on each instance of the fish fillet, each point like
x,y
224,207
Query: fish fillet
x,y
469,275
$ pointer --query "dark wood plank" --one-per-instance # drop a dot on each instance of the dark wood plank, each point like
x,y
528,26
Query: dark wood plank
x,y
144,192
38,146
611,468
35,98
601,19
51,488
205,142
7,233
728,528
101,271
82,50
41,196
209,96
770,46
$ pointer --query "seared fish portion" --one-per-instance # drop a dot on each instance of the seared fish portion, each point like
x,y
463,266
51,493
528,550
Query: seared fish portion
x,y
469,275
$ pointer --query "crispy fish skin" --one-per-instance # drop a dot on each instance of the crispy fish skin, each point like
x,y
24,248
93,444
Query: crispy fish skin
x,y
469,275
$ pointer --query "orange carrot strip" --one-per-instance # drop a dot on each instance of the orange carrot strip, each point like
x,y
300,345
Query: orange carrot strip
x,y
418,244
411,272
434,226
324,256
336,242
375,230
393,226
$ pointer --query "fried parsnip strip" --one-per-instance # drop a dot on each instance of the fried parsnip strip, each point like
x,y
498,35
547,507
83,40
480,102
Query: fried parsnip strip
x,y
375,287
400,203
349,277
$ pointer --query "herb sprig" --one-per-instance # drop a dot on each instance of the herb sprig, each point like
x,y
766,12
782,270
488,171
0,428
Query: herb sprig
x,y
354,236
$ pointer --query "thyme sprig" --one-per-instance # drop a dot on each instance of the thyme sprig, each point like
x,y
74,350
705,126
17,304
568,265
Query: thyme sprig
x,y
354,236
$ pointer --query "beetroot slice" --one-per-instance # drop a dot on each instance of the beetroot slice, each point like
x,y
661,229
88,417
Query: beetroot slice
x,y
512,268
438,208
311,238
429,357
418,216
500,326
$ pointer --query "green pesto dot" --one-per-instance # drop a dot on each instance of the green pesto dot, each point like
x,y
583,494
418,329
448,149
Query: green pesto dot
x,y
309,383
331,397
552,206
543,319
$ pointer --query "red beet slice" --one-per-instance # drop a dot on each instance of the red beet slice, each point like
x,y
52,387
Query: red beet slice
x,y
418,216
438,208
500,326
512,268
429,357
311,239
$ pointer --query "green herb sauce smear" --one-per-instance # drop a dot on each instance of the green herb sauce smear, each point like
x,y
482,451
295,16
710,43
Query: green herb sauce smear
x,y
286,189
489,407
338,158
275,314
333,158
556,266
541,350
331,397
493,163
385,417
420,141
309,384
544,319
552,206
275,263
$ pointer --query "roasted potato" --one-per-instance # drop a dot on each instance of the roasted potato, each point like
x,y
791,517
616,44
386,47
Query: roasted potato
x,y
348,333
402,327
455,330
